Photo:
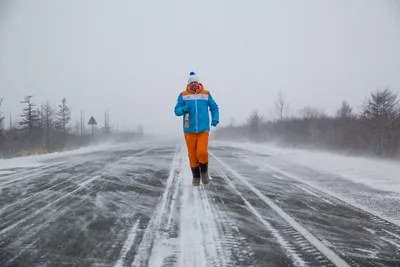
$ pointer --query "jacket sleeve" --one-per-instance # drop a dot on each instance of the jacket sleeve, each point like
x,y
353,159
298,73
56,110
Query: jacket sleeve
x,y
213,108
179,105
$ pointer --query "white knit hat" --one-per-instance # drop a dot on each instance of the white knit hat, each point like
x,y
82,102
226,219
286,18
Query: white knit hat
x,y
193,77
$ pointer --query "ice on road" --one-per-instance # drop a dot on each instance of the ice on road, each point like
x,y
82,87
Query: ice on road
x,y
134,205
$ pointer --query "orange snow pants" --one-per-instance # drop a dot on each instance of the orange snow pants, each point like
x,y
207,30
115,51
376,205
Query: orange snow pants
x,y
197,145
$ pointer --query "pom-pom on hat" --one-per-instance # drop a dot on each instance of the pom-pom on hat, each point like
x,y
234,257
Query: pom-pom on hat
x,y
193,77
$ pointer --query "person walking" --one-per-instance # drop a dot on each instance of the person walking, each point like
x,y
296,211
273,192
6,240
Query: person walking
x,y
195,105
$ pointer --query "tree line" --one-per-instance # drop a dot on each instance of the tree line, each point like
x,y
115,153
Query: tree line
x,y
39,129
375,129
47,129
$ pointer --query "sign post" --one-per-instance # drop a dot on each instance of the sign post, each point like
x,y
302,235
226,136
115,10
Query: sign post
x,y
93,123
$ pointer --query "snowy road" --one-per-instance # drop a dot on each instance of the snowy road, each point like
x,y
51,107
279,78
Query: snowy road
x,y
135,206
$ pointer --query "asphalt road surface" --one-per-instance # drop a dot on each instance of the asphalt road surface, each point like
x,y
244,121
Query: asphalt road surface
x,y
135,206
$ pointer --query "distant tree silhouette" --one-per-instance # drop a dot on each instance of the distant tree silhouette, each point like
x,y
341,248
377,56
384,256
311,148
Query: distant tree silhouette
x,y
30,116
345,110
63,116
254,122
281,106
47,114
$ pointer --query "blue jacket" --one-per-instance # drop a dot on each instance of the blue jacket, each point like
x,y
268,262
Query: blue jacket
x,y
197,107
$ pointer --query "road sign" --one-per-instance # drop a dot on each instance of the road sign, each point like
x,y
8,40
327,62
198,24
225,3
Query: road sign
x,y
92,121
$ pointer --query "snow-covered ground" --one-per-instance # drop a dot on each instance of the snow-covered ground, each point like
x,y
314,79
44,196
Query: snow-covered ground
x,y
134,205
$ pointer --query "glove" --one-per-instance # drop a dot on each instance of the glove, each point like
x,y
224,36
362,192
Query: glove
x,y
185,109
214,123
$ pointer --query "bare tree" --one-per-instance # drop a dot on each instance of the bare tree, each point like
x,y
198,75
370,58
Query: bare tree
x,y
63,116
254,122
345,111
281,106
31,118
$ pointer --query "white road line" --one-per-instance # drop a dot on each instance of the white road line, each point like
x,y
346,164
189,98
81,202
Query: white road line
x,y
278,176
128,244
284,244
312,193
337,196
331,255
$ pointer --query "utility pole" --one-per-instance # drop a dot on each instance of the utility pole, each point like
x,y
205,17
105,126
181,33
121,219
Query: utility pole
x,y
83,129
81,123
107,122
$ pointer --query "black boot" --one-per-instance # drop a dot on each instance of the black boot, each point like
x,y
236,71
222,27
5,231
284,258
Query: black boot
x,y
196,176
204,173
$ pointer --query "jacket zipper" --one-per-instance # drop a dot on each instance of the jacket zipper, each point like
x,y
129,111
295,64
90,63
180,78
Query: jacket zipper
x,y
197,114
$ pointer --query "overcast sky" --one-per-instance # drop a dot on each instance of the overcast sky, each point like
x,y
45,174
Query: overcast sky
x,y
133,57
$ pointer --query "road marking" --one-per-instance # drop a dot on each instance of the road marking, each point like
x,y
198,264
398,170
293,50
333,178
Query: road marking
x,y
331,255
285,245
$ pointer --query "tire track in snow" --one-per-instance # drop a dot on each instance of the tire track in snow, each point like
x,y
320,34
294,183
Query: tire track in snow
x,y
128,244
55,195
390,233
52,198
60,210
198,242
19,202
29,173
35,228
33,175
234,244
221,252
375,215
284,244
152,232
80,187
201,242
331,255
